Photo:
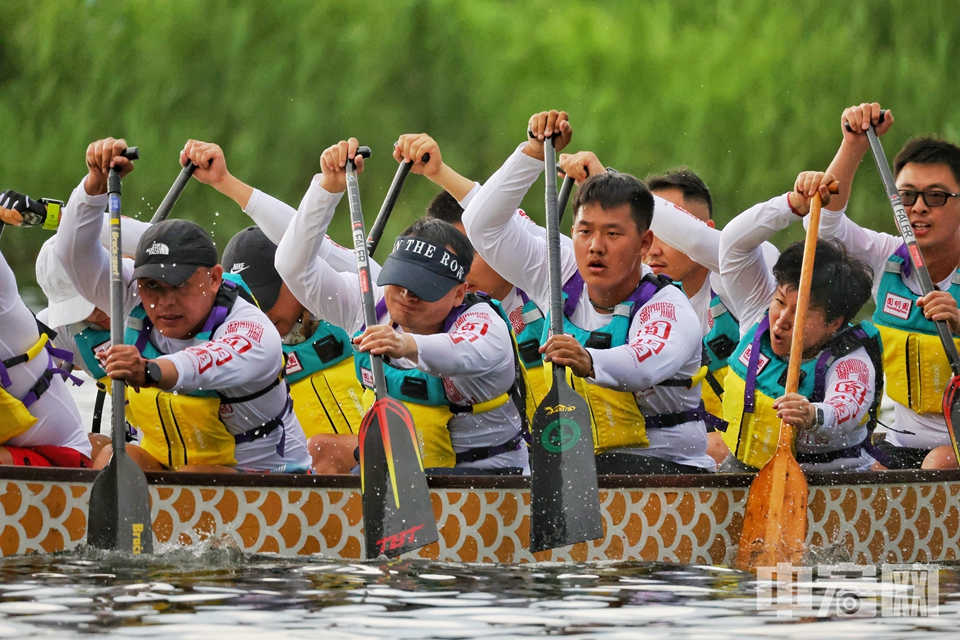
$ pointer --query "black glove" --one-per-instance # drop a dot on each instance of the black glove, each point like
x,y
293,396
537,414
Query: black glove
x,y
33,212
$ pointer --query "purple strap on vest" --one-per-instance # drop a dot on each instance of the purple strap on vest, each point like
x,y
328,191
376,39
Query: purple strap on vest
x,y
523,296
267,428
217,315
5,380
903,252
574,288
750,385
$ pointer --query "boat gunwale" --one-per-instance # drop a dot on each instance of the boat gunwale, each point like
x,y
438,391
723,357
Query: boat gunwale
x,y
279,480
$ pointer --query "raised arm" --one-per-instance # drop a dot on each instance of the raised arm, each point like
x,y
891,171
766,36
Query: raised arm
x,y
331,295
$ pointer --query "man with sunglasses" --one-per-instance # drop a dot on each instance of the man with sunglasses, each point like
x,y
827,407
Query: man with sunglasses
x,y
927,174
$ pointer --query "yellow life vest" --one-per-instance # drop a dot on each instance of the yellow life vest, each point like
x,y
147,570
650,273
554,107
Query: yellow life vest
x,y
757,376
614,415
915,364
327,397
15,416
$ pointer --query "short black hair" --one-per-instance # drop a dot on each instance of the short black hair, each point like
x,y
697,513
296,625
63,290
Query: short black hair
x,y
611,189
928,150
689,183
445,207
841,284
444,234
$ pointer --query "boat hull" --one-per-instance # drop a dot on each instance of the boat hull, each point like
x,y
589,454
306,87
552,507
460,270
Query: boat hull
x,y
897,516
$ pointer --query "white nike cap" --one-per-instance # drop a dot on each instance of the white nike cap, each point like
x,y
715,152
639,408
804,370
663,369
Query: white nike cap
x,y
66,305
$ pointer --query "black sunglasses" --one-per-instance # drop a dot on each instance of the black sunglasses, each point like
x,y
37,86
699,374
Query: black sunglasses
x,y
933,198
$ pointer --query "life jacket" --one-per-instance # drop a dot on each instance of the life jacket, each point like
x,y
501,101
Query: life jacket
x,y
15,416
718,344
326,395
915,364
614,415
757,377
425,397
531,360
185,428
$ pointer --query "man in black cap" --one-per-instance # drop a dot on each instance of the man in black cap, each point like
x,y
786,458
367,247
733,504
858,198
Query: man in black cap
x,y
451,357
204,363
320,371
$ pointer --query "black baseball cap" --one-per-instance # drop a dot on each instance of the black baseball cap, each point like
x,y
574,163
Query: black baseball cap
x,y
172,250
250,255
423,267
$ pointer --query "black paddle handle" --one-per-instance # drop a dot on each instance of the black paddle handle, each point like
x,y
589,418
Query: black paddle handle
x,y
553,236
564,197
373,240
363,266
883,114
906,232
174,194
116,295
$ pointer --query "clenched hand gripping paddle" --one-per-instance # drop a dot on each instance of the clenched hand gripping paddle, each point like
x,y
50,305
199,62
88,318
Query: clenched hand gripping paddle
x,y
119,516
388,203
564,495
951,396
775,522
397,512
174,193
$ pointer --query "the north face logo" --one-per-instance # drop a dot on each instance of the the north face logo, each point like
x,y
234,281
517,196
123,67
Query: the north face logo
x,y
158,249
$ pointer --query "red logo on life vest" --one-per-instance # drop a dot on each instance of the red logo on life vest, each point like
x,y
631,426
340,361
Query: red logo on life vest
x,y
745,359
366,377
293,364
897,306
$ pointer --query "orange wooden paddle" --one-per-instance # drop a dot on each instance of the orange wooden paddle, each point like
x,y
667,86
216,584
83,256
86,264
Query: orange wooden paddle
x,y
775,522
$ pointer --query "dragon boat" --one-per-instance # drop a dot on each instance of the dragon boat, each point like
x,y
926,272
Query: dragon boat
x,y
891,516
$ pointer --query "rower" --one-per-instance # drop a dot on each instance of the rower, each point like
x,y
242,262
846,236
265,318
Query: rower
x,y
451,356
635,346
927,172
835,408
319,356
40,424
525,317
202,364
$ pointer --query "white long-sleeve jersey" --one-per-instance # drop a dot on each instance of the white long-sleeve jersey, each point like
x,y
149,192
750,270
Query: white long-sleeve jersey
x,y
243,356
664,336
475,357
850,380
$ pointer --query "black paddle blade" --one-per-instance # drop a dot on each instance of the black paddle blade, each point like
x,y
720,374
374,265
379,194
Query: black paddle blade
x,y
119,514
564,496
951,411
397,513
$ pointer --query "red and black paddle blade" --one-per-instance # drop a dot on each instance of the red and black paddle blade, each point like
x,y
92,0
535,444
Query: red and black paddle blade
x,y
397,512
951,411
564,495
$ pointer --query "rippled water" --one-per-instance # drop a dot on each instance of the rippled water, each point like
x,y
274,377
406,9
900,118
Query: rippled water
x,y
217,592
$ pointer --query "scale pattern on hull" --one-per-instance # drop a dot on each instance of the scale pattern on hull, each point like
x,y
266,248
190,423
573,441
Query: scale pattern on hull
x,y
863,524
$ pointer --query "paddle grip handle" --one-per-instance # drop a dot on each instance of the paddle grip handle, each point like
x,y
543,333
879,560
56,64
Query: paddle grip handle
x,y
883,113
906,232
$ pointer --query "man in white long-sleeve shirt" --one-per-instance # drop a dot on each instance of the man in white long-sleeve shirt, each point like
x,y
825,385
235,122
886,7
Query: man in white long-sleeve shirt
x,y
450,356
927,172
635,332
203,363
836,404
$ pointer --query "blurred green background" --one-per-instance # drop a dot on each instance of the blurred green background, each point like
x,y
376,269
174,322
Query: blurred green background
x,y
747,92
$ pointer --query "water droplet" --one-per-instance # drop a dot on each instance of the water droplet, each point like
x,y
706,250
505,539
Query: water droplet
x,y
217,213
153,306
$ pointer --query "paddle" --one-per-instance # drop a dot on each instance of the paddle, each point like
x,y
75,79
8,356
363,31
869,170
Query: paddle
x,y
775,521
388,203
119,515
951,396
174,193
397,512
564,197
564,495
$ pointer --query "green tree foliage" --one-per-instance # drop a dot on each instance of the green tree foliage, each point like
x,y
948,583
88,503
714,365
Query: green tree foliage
x,y
747,92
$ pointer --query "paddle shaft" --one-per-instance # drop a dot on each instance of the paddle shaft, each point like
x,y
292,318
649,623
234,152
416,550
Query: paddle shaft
x,y
389,203
563,198
553,240
174,193
363,267
116,297
906,232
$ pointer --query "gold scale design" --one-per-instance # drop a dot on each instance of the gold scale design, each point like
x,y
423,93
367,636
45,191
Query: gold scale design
x,y
870,523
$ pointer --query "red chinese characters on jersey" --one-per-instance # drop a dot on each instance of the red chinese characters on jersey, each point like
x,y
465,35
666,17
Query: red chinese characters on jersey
x,y
651,340
253,330
850,391
218,352
470,327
